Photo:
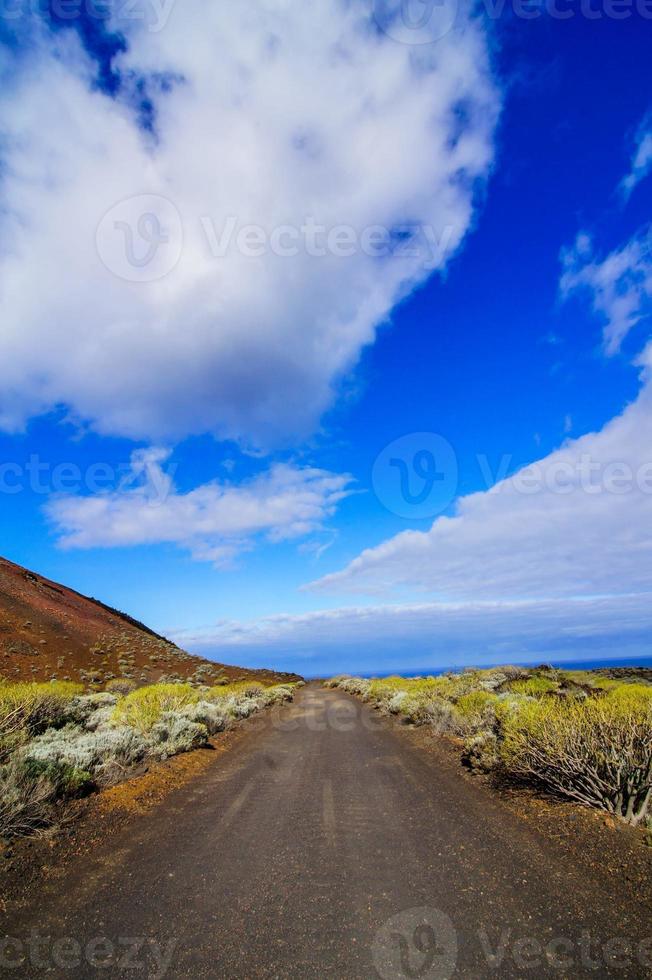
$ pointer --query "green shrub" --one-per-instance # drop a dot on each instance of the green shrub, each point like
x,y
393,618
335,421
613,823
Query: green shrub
x,y
143,708
386,688
434,711
67,780
597,752
631,693
26,800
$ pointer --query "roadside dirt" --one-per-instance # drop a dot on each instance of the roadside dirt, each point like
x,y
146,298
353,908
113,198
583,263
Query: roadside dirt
x,y
87,823
590,838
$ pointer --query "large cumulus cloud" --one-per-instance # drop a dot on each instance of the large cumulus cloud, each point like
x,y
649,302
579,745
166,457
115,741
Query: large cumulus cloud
x,y
270,113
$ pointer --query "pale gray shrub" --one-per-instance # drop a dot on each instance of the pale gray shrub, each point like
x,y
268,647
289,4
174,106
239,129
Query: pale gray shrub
x,y
99,719
81,708
355,685
481,751
240,706
490,680
120,686
252,689
214,716
103,754
276,695
395,703
247,706
437,712
176,733
336,681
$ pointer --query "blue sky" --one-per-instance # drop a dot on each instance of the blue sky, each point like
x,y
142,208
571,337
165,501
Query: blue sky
x,y
222,417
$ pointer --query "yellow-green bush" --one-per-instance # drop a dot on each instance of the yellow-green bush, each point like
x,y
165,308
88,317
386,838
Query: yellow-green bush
x,y
631,692
535,687
597,752
26,709
474,705
143,708
385,688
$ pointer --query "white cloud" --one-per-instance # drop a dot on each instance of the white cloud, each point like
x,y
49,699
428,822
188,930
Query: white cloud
x,y
423,637
620,285
216,522
641,158
269,112
578,522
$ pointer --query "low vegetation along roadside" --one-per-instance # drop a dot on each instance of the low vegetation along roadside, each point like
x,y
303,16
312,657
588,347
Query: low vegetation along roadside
x,y
58,742
575,734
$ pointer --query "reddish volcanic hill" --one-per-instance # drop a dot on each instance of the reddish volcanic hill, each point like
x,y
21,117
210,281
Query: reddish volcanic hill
x,y
48,631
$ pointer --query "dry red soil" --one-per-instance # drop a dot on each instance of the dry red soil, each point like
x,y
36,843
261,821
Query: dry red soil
x,y
49,631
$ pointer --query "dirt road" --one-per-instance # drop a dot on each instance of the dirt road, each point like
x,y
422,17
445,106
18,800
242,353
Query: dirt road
x,y
327,845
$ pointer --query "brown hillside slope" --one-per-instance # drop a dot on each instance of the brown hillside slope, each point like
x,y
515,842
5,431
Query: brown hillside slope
x,y
48,631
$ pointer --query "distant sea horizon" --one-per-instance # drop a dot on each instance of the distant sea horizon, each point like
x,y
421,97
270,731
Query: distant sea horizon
x,y
561,664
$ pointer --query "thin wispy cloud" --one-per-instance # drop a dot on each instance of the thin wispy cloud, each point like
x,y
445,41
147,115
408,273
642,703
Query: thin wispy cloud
x,y
619,286
641,164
